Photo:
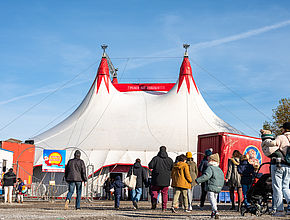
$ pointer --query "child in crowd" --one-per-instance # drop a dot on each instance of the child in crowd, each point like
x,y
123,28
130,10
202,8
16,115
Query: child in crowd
x,y
247,172
118,185
214,178
20,190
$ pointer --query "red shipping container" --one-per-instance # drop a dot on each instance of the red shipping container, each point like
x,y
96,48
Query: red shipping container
x,y
25,155
225,143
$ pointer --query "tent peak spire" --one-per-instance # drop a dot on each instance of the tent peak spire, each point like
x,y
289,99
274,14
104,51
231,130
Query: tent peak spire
x,y
104,47
185,74
103,70
186,46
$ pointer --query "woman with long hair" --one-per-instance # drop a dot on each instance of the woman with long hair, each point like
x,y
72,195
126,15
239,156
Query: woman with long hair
x,y
233,178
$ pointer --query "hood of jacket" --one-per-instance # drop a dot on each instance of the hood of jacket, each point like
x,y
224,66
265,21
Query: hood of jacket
x,y
137,165
162,154
180,165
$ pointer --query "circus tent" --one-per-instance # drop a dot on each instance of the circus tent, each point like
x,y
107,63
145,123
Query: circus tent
x,y
114,125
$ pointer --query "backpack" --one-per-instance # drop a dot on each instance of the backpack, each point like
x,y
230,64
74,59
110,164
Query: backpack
x,y
287,156
24,189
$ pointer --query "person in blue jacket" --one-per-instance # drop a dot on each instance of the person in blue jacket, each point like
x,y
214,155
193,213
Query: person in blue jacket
x,y
247,172
118,186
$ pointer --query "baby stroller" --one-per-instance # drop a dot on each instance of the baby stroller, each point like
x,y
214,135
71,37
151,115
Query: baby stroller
x,y
258,195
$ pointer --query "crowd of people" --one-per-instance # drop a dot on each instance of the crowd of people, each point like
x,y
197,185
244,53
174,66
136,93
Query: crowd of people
x,y
12,184
182,176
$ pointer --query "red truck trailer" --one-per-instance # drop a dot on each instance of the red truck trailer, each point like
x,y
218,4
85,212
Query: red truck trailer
x,y
225,143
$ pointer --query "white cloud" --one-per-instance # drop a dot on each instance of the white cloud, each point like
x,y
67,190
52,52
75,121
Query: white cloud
x,y
43,90
241,36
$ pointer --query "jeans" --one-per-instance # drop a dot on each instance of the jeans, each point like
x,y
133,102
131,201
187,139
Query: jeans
x,y
164,193
280,185
136,194
190,197
117,200
245,189
177,192
71,188
8,194
212,197
203,194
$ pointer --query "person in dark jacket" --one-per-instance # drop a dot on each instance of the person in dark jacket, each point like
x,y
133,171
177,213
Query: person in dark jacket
x,y
202,168
118,185
107,187
9,179
247,172
141,174
75,174
161,166
19,190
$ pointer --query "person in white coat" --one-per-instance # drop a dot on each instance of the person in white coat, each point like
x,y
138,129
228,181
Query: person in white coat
x,y
280,169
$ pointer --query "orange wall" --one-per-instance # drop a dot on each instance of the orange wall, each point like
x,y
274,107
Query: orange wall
x,y
25,161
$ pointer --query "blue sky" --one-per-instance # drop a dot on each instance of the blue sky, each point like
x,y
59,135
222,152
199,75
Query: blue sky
x,y
50,50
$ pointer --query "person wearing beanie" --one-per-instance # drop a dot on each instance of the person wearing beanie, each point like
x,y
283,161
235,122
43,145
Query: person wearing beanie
x,y
161,166
213,177
193,174
75,174
280,173
201,168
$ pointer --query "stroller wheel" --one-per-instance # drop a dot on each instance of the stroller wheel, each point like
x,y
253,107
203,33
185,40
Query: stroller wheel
x,y
243,210
258,213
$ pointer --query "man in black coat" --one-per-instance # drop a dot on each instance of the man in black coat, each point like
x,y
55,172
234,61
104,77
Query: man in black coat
x,y
9,179
75,174
202,168
161,166
141,174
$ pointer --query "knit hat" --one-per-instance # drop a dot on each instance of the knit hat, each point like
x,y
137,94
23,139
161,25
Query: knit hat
x,y
215,157
189,155
208,152
267,136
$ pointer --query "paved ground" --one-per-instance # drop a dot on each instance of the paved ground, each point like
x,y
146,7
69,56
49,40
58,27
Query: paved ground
x,y
104,210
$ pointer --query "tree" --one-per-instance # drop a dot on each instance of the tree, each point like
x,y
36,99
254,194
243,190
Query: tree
x,y
281,114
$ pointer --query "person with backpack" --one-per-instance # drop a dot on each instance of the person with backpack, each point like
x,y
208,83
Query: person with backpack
x,y
8,181
278,150
214,179
141,174
20,190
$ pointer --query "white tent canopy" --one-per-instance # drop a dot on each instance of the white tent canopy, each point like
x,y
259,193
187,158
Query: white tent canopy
x,y
118,127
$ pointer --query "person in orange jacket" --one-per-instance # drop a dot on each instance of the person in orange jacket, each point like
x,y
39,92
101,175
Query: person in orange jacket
x,y
181,182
